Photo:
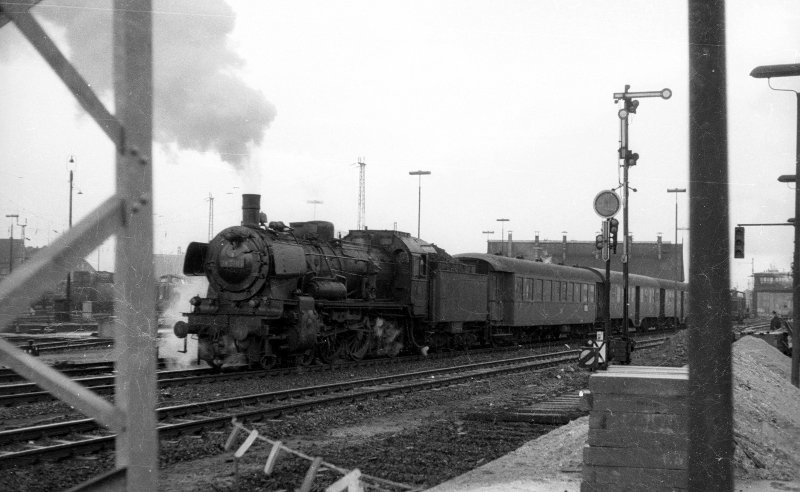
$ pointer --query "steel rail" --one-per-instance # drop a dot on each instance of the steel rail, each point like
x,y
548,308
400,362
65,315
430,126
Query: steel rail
x,y
238,407
221,411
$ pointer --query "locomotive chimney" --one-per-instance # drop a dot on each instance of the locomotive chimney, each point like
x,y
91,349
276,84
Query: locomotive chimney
x,y
251,206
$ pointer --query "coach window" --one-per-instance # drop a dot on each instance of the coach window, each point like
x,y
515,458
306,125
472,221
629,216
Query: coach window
x,y
518,288
527,291
584,293
570,289
591,294
537,290
548,289
564,286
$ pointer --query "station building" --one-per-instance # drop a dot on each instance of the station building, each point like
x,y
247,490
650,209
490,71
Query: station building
x,y
772,291
658,258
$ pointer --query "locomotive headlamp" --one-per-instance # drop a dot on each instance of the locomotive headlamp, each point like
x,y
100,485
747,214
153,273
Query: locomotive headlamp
x,y
194,301
253,303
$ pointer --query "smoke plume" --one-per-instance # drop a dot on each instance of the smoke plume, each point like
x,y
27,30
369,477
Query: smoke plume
x,y
199,101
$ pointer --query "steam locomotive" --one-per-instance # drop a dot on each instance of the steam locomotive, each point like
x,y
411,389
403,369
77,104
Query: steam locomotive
x,y
293,293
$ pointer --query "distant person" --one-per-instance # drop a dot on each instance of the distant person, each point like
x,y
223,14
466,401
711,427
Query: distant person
x,y
776,322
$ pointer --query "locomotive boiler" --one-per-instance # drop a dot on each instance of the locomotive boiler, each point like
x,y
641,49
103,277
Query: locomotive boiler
x,y
296,292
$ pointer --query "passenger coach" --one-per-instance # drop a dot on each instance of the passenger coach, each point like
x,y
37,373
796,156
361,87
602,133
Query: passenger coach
x,y
555,299
528,299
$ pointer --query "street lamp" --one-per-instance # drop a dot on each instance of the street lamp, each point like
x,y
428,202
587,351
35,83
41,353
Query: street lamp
x,y
315,203
488,233
767,72
419,199
502,231
678,263
71,168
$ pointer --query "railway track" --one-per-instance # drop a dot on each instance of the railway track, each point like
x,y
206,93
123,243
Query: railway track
x,y
15,390
59,440
74,370
61,345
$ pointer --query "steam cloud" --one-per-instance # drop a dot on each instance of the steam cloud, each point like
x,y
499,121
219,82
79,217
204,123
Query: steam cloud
x,y
199,102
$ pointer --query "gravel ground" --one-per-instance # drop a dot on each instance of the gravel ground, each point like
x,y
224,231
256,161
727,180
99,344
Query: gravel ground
x,y
419,439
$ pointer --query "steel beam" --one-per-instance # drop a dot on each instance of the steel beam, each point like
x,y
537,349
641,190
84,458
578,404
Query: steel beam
x,y
136,331
63,68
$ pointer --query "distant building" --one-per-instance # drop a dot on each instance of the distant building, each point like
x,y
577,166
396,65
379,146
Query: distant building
x,y
655,258
772,291
8,248
163,264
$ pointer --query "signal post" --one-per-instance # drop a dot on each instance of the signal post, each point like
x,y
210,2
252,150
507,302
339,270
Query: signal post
x,y
607,204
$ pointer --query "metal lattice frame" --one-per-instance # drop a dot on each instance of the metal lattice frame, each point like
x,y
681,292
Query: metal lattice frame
x,y
128,215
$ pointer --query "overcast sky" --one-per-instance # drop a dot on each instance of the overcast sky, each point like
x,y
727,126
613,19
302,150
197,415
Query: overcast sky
x,y
508,104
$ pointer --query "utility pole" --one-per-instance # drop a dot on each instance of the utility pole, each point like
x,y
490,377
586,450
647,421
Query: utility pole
x,y
11,243
628,158
678,261
315,203
502,231
362,201
23,226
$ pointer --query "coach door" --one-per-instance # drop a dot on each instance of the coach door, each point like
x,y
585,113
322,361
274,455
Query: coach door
x,y
495,297
637,306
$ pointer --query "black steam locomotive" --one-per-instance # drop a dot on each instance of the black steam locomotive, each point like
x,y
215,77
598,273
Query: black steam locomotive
x,y
280,292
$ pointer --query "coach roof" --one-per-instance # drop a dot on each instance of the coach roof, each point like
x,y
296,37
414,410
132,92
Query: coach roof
x,y
528,267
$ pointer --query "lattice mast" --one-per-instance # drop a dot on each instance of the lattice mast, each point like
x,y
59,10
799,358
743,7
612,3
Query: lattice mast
x,y
362,204
210,216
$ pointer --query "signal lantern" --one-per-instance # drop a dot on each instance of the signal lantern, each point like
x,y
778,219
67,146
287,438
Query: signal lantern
x,y
738,242
613,228
631,158
598,241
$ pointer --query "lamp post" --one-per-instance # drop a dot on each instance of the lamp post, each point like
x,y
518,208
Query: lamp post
x,y
71,167
419,174
315,203
488,233
502,239
678,263
790,70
